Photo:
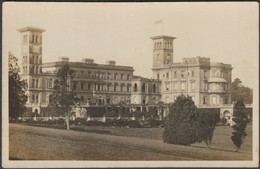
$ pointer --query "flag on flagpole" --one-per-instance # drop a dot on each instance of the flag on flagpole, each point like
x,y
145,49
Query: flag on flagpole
x,y
158,21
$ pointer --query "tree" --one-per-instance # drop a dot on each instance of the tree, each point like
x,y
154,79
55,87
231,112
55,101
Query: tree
x,y
240,92
180,125
207,120
241,120
17,87
63,99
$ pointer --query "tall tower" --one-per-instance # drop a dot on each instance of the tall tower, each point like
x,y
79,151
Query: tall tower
x,y
31,53
162,50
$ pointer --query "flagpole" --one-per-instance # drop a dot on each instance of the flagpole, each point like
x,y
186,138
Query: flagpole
x,y
162,27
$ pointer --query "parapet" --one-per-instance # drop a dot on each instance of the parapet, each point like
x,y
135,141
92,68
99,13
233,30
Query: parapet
x,y
197,59
111,62
64,59
88,60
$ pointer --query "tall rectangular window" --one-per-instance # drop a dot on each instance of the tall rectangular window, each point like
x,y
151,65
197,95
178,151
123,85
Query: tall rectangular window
x,y
192,85
89,86
182,85
36,99
32,99
175,86
214,100
167,86
158,76
33,81
175,75
37,81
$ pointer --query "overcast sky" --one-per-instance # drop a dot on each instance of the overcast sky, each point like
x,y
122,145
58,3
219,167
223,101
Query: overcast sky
x,y
224,32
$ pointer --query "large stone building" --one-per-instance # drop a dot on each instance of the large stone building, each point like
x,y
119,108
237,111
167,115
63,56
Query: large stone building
x,y
94,84
99,84
207,83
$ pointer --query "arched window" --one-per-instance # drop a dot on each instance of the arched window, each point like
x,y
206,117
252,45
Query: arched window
x,y
82,99
135,87
143,87
154,88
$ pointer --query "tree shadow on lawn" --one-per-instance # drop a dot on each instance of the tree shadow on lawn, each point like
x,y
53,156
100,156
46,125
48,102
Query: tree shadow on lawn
x,y
92,130
74,128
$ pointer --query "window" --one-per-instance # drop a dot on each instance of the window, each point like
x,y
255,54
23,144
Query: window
x,y
36,69
205,100
82,99
108,86
205,86
154,88
158,76
50,84
122,77
167,100
33,38
82,85
128,88
167,86
108,75
182,74
89,86
122,87
36,38
33,81
192,85
135,87
192,73
182,85
167,75
214,100
36,83
128,77
115,86
33,99
175,86
74,85
158,57
36,99
175,75
115,76
143,87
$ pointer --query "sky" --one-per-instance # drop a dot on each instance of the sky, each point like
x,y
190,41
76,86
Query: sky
x,y
224,31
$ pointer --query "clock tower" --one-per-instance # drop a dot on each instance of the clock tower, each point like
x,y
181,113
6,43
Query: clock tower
x,y
162,51
31,55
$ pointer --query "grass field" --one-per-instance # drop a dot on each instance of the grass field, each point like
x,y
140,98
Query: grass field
x,y
102,143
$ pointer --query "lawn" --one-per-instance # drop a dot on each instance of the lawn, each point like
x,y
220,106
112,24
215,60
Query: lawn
x,y
221,138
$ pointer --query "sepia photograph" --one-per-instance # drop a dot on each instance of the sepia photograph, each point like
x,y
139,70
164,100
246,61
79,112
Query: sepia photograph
x,y
154,84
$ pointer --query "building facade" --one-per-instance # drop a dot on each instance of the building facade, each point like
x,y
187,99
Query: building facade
x,y
100,84
207,83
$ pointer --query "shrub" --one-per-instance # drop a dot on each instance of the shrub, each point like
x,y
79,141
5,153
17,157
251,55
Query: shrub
x,y
180,125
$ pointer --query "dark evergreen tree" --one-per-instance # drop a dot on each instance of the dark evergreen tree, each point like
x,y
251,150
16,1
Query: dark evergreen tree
x,y
17,87
240,118
180,124
208,118
63,99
